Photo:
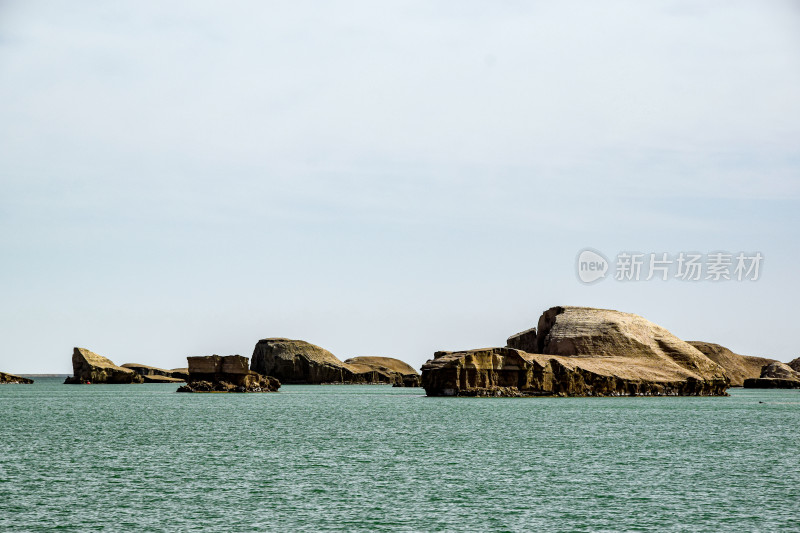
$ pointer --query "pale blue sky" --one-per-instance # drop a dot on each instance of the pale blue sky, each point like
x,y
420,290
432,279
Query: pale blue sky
x,y
393,178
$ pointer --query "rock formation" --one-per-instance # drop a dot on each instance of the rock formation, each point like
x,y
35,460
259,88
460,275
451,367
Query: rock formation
x,y
231,373
794,364
296,361
578,351
11,378
180,373
737,367
152,374
775,375
384,370
88,367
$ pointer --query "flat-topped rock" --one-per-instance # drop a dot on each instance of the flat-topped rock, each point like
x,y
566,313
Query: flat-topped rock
x,y
12,379
737,367
579,352
230,373
89,367
525,341
298,361
771,383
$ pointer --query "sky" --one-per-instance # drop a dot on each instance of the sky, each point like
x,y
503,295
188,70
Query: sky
x,y
387,179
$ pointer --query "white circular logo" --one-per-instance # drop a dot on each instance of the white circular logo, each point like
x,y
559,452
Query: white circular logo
x,y
591,266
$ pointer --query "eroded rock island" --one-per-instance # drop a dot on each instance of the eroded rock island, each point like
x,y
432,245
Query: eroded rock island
x,y
300,362
775,375
579,351
12,379
89,367
230,373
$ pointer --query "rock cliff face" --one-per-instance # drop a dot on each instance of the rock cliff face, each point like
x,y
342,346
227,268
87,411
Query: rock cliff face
x,y
737,367
579,352
231,373
794,364
11,378
152,374
88,367
775,375
296,361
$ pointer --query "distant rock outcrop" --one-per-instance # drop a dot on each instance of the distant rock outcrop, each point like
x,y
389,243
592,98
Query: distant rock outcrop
x,y
12,379
775,375
578,351
737,367
297,361
89,367
794,364
230,373
180,373
153,374
384,370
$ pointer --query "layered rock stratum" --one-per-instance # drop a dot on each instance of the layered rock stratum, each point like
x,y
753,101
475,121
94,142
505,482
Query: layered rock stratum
x,y
153,374
579,351
737,367
11,378
775,375
297,361
89,367
230,373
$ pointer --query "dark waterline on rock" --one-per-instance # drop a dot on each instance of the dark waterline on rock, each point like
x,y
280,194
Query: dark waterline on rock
x,y
365,458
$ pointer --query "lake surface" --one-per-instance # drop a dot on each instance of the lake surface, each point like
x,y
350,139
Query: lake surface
x,y
367,458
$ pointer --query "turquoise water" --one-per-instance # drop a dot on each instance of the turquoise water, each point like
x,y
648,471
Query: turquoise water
x,y
366,458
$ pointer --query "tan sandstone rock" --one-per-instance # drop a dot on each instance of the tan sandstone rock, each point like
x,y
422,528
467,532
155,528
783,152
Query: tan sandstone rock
x,y
737,367
385,370
152,374
579,352
89,367
12,379
775,375
230,373
297,361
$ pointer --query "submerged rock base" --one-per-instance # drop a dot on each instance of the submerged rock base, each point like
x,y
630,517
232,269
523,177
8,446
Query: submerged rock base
x,y
507,372
771,383
231,373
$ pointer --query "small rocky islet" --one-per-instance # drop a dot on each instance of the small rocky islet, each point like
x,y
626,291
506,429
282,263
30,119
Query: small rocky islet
x,y
275,360
573,351
230,373
11,379
300,362
776,375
